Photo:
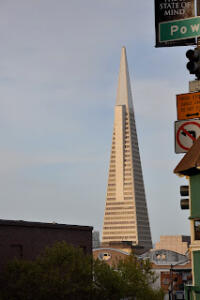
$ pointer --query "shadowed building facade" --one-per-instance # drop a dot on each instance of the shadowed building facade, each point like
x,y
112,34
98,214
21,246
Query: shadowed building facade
x,y
126,215
27,240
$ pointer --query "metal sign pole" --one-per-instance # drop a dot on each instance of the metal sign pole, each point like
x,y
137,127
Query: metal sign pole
x,y
194,86
198,14
195,271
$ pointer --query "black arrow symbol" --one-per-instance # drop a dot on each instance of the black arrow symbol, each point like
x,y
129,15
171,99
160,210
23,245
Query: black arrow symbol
x,y
190,115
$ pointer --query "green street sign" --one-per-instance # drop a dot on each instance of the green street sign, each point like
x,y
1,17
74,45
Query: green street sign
x,y
179,29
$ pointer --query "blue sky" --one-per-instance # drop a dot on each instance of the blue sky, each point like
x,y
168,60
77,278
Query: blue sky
x,y
59,63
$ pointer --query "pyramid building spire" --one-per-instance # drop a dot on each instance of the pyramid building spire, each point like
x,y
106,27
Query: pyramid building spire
x,y
124,96
126,215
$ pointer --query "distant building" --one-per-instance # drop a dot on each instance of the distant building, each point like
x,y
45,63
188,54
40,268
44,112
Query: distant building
x,y
109,255
95,239
26,240
177,243
126,215
173,270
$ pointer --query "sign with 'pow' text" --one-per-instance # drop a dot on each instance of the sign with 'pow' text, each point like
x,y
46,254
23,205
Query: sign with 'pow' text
x,y
180,29
170,11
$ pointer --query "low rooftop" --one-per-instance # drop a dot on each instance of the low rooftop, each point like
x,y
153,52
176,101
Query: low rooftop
x,y
54,225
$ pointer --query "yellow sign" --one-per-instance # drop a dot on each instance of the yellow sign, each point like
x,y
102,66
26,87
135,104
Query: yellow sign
x,y
188,106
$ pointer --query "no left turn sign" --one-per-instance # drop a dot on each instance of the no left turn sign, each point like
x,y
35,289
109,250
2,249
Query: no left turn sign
x,y
186,133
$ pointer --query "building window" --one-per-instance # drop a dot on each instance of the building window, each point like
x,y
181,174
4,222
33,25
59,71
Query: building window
x,y
166,281
17,250
104,256
197,229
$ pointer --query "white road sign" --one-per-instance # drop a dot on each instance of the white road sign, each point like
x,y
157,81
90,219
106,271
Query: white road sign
x,y
186,133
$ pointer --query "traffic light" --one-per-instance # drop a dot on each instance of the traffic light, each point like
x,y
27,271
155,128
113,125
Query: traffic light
x,y
184,191
194,62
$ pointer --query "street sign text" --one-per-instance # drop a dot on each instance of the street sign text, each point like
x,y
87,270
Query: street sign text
x,y
179,29
170,11
188,106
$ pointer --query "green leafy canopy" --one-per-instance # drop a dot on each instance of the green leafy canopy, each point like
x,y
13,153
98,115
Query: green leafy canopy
x,y
65,272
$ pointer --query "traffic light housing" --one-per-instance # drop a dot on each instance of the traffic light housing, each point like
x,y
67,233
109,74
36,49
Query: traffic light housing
x,y
194,62
184,191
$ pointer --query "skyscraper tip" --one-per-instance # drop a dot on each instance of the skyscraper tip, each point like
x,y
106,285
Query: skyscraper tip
x,y
124,96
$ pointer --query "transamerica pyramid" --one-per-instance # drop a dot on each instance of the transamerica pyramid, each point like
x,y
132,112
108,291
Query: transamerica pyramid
x,y
126,215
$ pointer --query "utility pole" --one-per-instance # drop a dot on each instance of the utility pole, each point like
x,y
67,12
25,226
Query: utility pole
x,y
189,166
193,292
198,14
183,30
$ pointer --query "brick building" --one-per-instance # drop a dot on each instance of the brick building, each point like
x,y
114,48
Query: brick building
x,y
22,239
109,255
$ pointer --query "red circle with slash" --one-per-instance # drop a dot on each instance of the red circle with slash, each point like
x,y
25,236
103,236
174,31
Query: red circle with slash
x,y
186,132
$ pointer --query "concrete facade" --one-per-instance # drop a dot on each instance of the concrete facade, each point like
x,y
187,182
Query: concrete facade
x,y
177,243
95,239
126,215
194,86
26,240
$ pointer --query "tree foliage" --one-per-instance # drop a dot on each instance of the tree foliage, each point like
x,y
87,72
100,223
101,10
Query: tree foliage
x,y
130,278
61,272
64,272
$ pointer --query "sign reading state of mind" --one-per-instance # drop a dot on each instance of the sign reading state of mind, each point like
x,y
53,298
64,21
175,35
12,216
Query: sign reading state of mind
x,y
172,11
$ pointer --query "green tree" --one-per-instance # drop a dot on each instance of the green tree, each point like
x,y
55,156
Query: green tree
x,y
138,278
130,278
61,272
107,283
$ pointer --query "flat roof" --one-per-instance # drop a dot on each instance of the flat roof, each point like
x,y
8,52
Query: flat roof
x,y
22,223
